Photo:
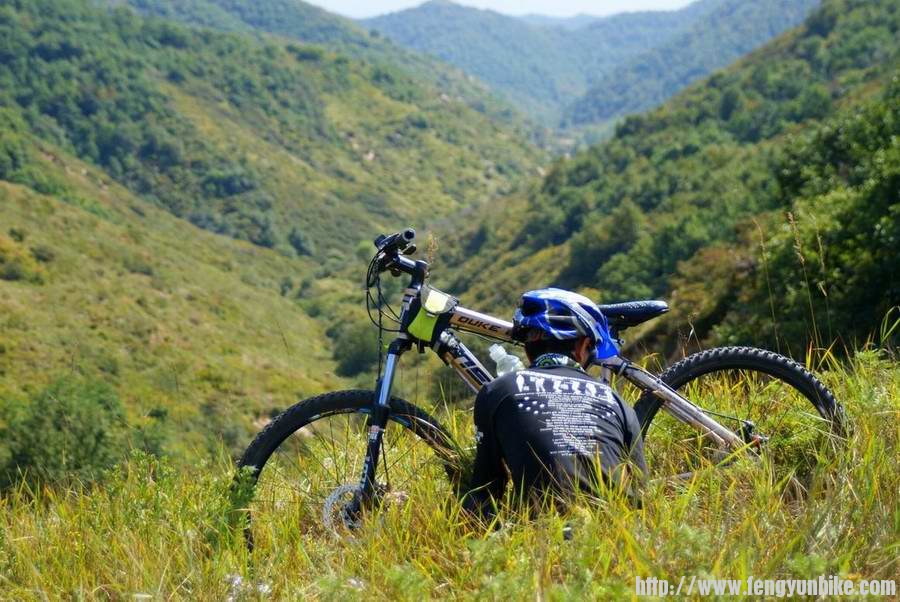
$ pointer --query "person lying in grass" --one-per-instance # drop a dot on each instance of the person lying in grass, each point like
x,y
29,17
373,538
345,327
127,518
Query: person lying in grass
x,y
551,428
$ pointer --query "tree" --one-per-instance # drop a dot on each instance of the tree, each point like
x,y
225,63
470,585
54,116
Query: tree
x,y
300,242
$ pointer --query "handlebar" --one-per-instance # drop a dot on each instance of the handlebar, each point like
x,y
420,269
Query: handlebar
x,y
391,251
401,242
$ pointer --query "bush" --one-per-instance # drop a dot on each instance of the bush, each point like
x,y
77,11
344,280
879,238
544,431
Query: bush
x,y
16,263
13,155
300,242
356,349
43,254
75,428
138,265
306,53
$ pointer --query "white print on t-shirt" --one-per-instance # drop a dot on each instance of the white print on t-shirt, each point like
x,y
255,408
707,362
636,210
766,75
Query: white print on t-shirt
x,y
573,410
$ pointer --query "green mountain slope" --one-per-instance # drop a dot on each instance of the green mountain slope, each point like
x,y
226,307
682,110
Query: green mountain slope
x,y
181,210
680,201
309,24
268,142
533,66
538,68
712,40
189,327
543,69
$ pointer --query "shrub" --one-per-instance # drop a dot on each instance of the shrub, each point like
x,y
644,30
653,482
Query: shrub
x,y
43,254
356,349
286,286
13,155
300,242
306,53
229,182
138,265
75,428
16,263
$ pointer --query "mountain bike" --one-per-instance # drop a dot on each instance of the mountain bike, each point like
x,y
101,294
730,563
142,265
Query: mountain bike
x,y
325,462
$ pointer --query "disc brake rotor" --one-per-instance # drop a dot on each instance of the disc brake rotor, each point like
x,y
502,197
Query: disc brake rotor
x,y
333,516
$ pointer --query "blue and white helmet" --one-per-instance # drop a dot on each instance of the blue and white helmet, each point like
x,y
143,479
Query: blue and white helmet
x,y
554,313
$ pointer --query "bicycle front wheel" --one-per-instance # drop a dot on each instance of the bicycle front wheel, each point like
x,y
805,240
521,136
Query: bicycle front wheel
x,y
777,405
305,466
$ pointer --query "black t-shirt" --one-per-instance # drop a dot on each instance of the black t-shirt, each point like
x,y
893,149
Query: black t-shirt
x,y
552,427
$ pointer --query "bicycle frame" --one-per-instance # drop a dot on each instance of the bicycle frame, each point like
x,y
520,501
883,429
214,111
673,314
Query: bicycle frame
x,y
464,362
455,354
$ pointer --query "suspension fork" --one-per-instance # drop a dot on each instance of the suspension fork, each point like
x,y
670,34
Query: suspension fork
x,y
381,410
365,493
375,425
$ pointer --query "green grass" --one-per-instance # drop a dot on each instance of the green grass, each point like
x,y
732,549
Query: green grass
x,y
163,530
178,320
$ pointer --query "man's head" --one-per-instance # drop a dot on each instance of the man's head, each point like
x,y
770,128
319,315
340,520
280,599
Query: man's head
x,y
580,350
552,320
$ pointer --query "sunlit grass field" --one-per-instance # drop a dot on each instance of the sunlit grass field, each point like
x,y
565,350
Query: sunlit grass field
x,y
156,531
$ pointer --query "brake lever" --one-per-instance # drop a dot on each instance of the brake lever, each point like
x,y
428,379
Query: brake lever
x,y
384,264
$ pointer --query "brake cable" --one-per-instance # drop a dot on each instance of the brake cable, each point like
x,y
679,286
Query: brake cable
x,y
748,427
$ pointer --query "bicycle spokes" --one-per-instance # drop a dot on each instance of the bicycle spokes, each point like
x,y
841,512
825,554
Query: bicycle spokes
x,y
311,483
773,419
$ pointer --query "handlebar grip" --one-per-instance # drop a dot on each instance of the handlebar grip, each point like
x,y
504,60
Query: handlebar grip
x,y
396,242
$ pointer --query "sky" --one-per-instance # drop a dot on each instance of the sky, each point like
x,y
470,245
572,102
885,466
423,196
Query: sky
x,y
558,8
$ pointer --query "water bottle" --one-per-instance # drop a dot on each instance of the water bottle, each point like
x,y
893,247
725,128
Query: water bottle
x,y
506,362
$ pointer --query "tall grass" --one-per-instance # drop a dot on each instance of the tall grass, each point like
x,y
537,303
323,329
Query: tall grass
x,y
157,532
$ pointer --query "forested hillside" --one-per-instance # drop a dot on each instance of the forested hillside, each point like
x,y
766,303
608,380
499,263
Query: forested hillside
x,y
758,201
271,143
540,68
715,38
181,210
573,22
544,68
532,66
309,24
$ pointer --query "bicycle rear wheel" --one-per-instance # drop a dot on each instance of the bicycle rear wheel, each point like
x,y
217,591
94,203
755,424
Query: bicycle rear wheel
x,y
775,403
305,466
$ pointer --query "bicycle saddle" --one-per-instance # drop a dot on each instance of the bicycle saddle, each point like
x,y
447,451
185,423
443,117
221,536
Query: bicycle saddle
x,y
632,313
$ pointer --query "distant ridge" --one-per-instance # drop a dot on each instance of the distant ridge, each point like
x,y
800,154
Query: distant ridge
x,y
729,30
304,22
546,65
573,22
538,68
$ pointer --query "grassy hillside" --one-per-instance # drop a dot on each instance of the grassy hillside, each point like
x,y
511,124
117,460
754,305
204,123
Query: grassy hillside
x,y
689,202
723,33
311,25
543,68
268,142
188,327
182,210
163,533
